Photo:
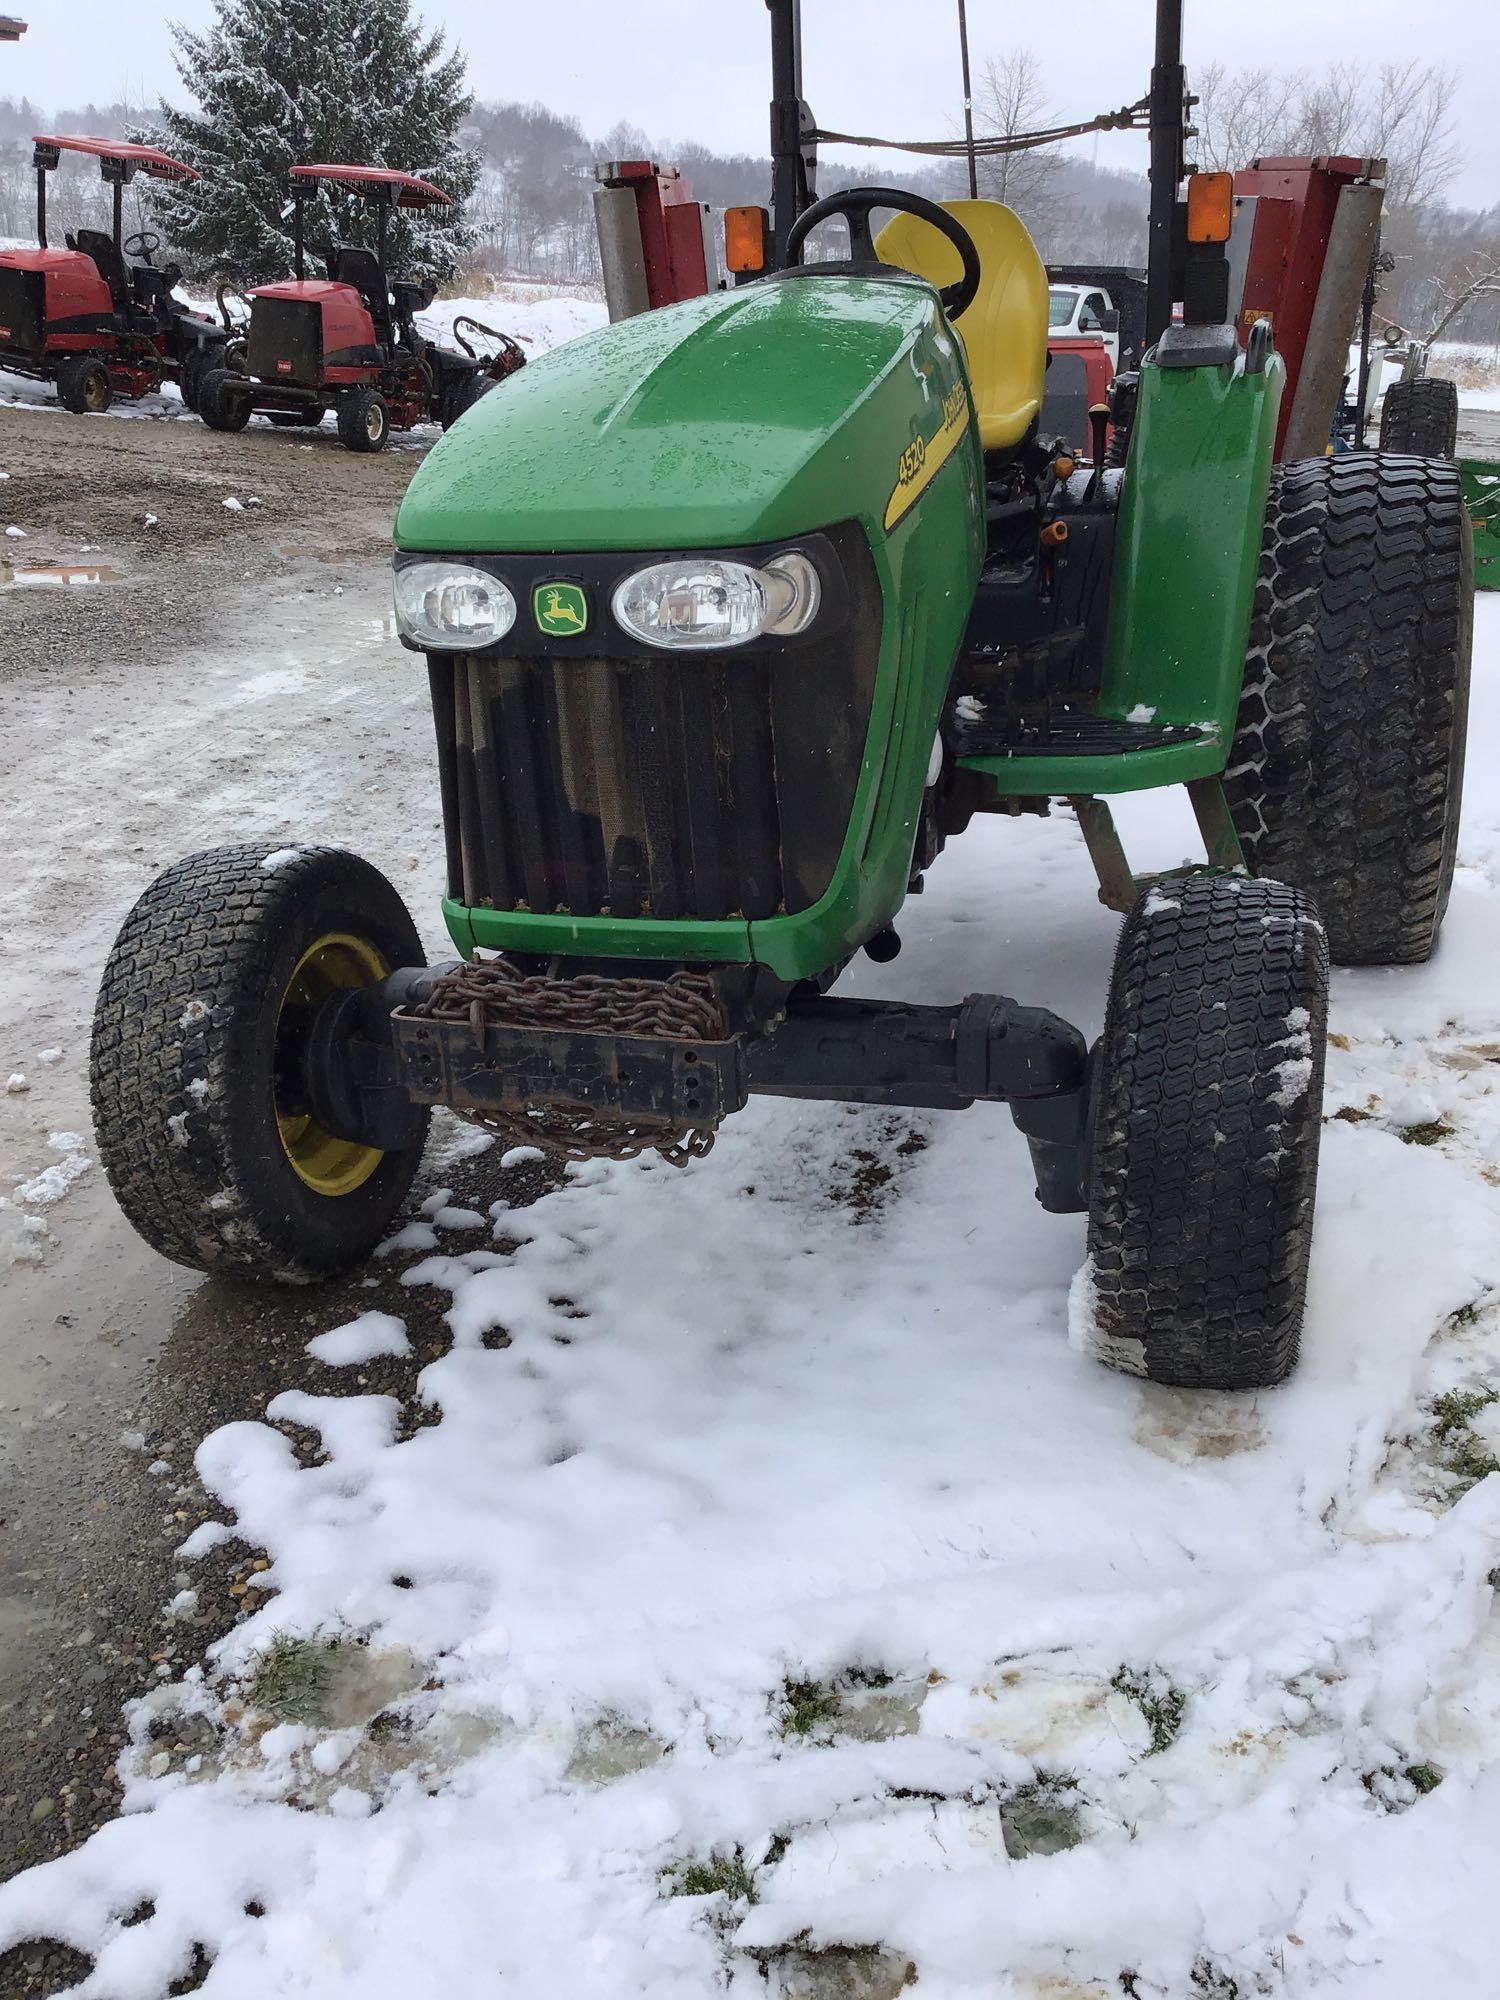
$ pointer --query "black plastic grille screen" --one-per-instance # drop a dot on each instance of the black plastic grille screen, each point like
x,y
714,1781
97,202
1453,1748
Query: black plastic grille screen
x,y
21,309
286,341
701,785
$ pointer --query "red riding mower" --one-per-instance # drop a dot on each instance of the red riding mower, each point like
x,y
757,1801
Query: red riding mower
x,y
99,318
349,341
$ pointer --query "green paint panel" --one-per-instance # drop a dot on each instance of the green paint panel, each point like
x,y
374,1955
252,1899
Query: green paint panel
x,y
1481,490
1101,776
745,417
1191,520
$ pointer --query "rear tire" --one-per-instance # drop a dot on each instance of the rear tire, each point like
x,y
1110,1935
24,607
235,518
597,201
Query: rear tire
x,y
207,1146
1205,1135
83,386
364,420
224,400
194,366
1421,417
1346,772
465,393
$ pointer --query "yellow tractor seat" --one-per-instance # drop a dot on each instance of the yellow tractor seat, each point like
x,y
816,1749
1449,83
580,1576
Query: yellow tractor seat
x,y
1004,332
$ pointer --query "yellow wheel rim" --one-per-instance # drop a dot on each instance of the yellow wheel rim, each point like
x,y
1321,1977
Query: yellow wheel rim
x,y
329,1165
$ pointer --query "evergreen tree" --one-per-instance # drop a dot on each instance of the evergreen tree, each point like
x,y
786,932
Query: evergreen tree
x,y
281,82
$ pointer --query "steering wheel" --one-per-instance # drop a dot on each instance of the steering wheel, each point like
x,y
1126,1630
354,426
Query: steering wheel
x,y
141,244
856,204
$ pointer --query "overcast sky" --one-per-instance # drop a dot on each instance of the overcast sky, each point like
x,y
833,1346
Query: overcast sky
x,y
884,66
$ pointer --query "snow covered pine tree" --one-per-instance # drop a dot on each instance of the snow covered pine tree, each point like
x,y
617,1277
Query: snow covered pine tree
x,y
285,81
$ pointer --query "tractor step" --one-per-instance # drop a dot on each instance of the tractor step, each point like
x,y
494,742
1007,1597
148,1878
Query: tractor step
x,y
1065,734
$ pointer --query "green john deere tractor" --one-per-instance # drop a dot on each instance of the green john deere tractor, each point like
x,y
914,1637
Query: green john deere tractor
x,y
734,613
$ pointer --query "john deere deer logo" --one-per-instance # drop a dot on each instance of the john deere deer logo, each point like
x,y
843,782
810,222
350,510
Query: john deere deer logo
x,y
559,608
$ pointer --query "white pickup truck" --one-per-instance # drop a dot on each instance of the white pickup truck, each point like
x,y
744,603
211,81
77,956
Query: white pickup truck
x,y
1079,309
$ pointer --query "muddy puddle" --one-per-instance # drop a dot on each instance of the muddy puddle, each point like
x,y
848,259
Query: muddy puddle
x,y
55,576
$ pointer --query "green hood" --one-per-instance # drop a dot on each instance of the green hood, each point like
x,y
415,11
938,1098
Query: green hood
x,y
737,418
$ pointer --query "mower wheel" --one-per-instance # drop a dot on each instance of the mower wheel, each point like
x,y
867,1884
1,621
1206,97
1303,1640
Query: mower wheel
x,y
223,401
364,420
1421,417
83,386
190,377
1205,1125
465,393
1346,770
199,1110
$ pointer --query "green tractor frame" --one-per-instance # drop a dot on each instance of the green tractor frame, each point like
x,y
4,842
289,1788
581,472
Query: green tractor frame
x,y
734,613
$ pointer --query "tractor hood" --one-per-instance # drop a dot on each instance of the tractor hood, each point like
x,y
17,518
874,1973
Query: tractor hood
x,y
737,418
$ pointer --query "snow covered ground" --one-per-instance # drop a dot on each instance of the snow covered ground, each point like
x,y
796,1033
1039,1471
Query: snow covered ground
x,y
759,1587
539,316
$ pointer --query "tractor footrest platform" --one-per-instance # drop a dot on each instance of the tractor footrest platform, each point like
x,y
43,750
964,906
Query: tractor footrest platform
x,y
690,1084
1067,735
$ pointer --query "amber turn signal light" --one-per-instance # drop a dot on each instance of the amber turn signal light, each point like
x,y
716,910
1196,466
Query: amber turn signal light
x,y
1210,208
745,231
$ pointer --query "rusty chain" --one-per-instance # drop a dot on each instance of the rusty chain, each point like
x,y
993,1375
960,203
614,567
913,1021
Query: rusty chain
x,y
492,992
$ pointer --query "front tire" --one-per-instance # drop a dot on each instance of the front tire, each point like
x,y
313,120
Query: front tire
x,y
1421,417
202,1130
1204,1156
83,386
1346,772
364,420
224,400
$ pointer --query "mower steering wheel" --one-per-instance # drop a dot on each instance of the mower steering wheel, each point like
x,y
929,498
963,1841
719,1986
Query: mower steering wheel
x,y
142,244
856,205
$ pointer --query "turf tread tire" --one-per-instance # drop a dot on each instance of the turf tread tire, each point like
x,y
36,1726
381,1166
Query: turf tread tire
x,y
1204,1149
181,1062
73,378
191,370
1421,417
221,407
354,408
1346,771
463,395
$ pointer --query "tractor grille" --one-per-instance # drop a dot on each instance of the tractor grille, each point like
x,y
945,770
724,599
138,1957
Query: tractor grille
x,y
693,787
286,341
21,309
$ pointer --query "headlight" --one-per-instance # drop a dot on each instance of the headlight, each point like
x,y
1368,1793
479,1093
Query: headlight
x,y
450,608
699,602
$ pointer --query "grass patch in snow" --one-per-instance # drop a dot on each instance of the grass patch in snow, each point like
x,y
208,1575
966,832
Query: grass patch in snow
x,y
1399,1790
720,1875
293,1679
1212,1983
1159,1700
1466,1315
1463,1454
1431,1132
808,1707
